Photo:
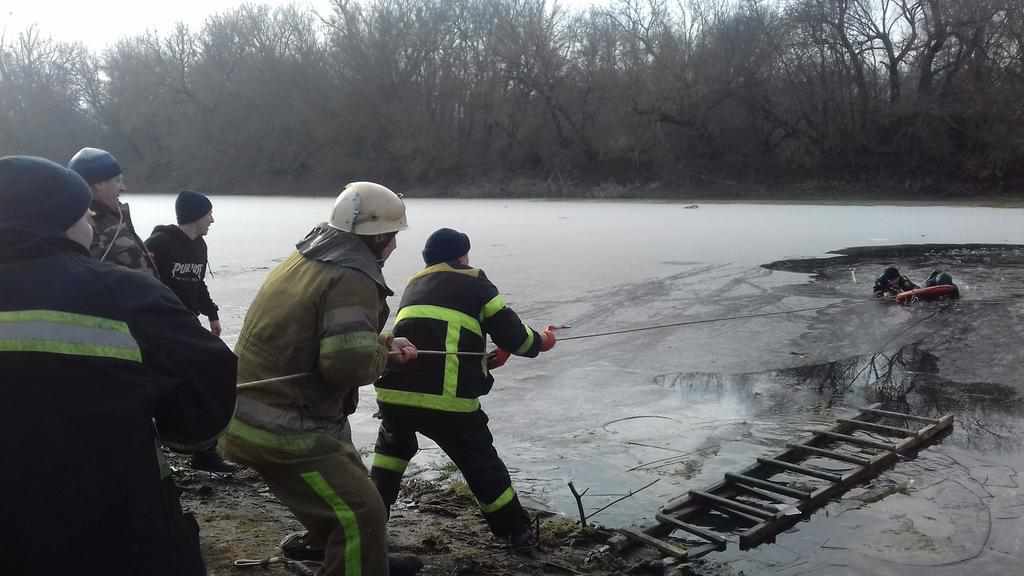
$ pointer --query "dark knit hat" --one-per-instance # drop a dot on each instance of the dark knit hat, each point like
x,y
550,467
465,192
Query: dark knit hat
x,y
40,196
94,165
191,206
445,245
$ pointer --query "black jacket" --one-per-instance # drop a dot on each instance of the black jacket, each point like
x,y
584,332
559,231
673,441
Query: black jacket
x,y
884,286
91,354
181,262
452,308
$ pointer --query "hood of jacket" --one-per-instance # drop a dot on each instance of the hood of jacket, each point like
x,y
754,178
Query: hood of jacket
x,y
333,246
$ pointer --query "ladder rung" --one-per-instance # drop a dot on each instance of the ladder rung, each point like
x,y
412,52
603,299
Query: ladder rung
x,y
877,427
704,550
830,477
900,415
705,534
666,547
769,486
852,459
763,494
856,440
734,505
737,514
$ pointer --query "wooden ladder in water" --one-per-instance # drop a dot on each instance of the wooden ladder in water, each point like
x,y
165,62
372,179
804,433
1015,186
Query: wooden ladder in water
x,y
764,507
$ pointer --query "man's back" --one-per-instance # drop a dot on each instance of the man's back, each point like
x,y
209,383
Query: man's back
x,y
91,355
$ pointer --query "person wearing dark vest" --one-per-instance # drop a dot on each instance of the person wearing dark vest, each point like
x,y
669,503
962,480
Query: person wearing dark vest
x,y
92,355
115,239
452,307
891,283
940,278
179,253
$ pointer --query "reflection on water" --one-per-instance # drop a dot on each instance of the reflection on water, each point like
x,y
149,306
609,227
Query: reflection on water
x,y
905,380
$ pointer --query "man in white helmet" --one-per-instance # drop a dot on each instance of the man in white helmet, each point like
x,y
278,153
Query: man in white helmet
x,y
310,339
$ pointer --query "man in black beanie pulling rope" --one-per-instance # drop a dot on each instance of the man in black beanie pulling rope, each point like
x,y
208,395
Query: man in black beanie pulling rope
x,y
452,307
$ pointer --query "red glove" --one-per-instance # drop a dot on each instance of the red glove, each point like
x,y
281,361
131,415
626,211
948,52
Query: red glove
x,y
547,339
497,358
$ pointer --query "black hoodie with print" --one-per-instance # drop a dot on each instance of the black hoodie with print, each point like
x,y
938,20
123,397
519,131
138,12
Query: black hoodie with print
x,y
181,262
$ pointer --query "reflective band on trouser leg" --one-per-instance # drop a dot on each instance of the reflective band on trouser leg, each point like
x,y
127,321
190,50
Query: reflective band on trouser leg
x,y
55,332
500,502
347,518
493,306
528,342
386,462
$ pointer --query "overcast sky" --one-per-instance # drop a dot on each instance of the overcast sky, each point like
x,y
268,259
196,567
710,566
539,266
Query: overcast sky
x,y
99,23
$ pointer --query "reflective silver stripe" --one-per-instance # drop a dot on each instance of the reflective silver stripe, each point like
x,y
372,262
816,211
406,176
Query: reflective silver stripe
x,y
287,420
66,333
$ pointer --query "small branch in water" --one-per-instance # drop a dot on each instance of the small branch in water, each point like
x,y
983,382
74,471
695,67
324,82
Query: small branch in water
x,y
579,503
617,500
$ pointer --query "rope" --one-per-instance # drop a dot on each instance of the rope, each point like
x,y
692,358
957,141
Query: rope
x,y
117,233
692,322
629,331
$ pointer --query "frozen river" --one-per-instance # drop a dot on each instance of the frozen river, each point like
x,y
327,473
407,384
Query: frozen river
x,y
684,405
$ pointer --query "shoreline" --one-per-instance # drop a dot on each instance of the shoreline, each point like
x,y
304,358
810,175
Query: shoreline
x,y
993,201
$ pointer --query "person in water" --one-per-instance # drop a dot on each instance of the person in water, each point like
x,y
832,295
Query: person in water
x,y
891,283
940,278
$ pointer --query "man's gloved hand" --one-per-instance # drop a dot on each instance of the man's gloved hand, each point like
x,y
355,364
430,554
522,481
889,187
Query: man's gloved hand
x,y
497,358
547,338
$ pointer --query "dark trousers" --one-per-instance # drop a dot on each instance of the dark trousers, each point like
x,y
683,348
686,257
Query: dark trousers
x,y
186,529
467,440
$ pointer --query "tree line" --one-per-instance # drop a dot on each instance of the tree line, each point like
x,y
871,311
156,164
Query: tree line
x,y
921,95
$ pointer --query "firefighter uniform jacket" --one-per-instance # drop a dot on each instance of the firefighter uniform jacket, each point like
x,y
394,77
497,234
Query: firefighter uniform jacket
x,y
91,354
452,308
318,315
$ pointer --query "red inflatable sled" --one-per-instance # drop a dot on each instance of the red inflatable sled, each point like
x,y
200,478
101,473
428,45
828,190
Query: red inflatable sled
x,y
925,294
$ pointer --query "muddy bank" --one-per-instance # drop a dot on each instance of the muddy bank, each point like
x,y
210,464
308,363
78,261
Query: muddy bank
x,y
435,519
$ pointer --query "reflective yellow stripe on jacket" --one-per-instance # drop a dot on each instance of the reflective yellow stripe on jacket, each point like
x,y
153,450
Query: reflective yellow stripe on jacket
x,y
67,333
448,401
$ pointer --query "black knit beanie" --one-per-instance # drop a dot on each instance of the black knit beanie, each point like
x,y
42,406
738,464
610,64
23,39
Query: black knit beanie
x,y
40,196
445,245
94,165
191,206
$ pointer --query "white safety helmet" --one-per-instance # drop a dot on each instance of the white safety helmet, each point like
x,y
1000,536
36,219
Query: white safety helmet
x,y
367,209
